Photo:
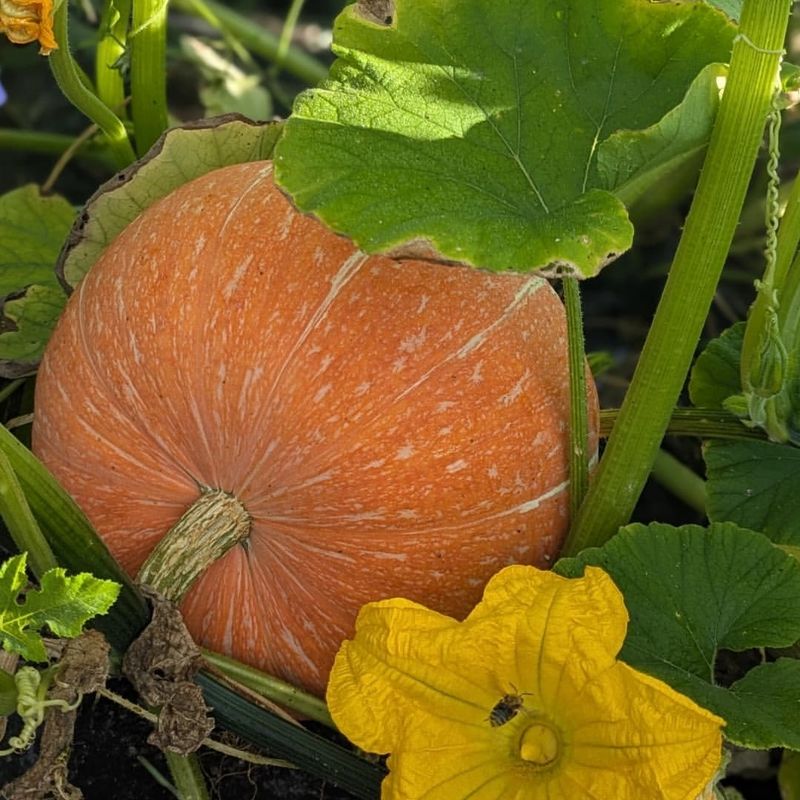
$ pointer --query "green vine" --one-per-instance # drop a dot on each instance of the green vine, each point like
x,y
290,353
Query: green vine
x,y
74,85
693,278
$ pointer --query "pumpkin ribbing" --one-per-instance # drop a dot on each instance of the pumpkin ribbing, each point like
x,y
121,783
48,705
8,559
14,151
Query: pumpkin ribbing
x,y
391,428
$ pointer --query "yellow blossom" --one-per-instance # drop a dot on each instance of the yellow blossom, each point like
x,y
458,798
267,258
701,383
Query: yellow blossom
x,y
24,21
524,700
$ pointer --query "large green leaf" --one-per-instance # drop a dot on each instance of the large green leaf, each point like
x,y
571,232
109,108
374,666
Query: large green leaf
x,y
32,231
692,592
180,155
63,604
33,228
475,129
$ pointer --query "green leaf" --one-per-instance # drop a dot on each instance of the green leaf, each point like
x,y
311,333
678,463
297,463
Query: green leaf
x,y
733,8
180,155
63,604
715,375
766,702
755,485
751,483
31,317
74,541
630,163
472,129
692,592
32,230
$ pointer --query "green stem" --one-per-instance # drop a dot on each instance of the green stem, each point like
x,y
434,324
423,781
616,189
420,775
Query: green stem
x,y
685,484
704,423
187,776
273,689
148,49
578,412
20,521
256,39
69,80
51,144
110,49
693,278
289,24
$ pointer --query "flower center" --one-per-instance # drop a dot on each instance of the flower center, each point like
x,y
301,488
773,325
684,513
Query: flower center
x,y
539,745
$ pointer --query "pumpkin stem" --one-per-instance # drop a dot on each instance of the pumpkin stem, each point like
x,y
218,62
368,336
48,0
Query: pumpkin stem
x,y
211,526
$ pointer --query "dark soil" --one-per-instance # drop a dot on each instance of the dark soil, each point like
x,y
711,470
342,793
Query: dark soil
x,y
111,759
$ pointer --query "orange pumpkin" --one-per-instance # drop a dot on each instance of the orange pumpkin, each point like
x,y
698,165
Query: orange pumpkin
x,y
389,428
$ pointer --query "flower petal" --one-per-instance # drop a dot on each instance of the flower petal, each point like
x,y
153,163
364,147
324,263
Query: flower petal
x,y
541,649
24,21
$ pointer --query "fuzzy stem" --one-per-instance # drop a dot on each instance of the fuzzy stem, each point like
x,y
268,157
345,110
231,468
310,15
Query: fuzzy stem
x,y
73,85
693,278
211,526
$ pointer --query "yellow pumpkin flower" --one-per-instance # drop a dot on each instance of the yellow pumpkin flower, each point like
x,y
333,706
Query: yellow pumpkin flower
x,y
24,21
525,699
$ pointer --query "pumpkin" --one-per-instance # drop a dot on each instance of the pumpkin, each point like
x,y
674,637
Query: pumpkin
x,y
376,427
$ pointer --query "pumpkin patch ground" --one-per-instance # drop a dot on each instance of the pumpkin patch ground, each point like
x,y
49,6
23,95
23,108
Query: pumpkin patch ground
x,y
399,399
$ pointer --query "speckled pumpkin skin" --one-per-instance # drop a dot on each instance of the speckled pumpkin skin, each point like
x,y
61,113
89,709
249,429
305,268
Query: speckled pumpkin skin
x,y
394,428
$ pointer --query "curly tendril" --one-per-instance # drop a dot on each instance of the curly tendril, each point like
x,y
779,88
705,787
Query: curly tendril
x,y
31,707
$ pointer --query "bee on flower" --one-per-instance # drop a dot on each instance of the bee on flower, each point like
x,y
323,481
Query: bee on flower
x,y
25,21
581,724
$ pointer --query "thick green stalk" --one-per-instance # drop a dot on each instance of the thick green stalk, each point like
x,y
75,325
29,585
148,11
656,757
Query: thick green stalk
x,y
692,280
110,50
578,411
72,84
256,39
148,50
20,521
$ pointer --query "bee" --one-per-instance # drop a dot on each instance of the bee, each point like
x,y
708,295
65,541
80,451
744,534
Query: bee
x,y
506,708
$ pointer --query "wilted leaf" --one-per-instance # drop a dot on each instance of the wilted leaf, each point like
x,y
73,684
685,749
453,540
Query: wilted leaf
x,y
180,155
